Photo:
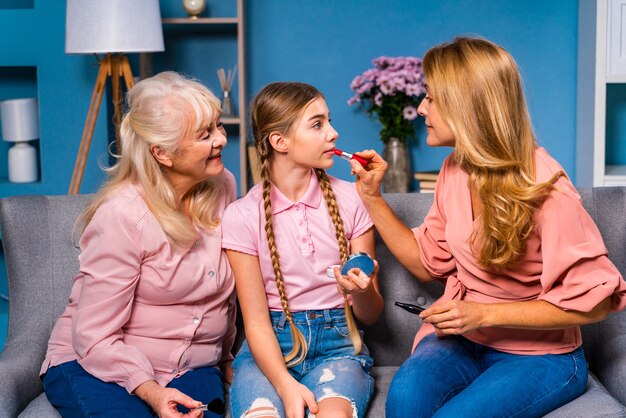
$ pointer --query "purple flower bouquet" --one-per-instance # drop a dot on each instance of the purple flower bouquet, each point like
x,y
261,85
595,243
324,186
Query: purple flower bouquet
x,y
392,90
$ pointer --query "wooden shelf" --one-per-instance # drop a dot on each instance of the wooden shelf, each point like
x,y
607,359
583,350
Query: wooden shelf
x,y
200,21
615,175
231,121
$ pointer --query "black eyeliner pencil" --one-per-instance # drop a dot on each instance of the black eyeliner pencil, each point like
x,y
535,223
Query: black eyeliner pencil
x,y
414,309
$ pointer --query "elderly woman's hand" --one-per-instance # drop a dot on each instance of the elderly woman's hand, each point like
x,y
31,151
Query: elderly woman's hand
x,y
370,178
164,401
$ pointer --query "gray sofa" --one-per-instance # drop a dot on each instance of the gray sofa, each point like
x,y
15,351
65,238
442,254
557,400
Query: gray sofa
x,y
41,261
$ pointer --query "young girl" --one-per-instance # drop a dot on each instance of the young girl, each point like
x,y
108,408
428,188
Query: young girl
x,y
303,349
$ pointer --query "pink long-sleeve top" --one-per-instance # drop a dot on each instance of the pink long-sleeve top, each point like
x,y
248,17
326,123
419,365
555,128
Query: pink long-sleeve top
x,y
565,262
141,308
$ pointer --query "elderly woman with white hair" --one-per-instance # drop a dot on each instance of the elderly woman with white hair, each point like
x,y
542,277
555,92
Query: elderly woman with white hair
x,y
152,310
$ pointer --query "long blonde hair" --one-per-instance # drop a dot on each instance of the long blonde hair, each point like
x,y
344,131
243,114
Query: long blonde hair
x,y
162,110
478,91
276,108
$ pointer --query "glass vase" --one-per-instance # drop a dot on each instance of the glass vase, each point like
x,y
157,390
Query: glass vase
x,y
398,175
227,105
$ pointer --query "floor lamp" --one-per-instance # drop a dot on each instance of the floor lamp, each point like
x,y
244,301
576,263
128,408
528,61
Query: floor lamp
x,y
112,28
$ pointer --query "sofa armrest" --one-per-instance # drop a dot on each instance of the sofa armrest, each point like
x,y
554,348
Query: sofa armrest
x,y
610,366
20,384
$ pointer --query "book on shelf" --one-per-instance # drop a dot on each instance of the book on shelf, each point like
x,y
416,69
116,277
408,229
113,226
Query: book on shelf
x,y
427,184
426,175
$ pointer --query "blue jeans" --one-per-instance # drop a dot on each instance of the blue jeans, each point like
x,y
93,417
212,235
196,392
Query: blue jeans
x,y
76,393
454,377
330,368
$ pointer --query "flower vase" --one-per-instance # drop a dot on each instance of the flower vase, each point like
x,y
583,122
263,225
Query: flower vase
x,y
398,175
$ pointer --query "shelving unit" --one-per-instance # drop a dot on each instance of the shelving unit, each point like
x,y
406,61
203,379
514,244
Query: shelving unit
x,y
185,38
601,67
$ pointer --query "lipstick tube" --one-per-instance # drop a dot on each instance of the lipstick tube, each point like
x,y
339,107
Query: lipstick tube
x,y
347,156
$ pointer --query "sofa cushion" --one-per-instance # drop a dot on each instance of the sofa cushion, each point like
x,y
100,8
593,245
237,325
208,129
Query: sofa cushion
x,y
40,407
382,376
595,402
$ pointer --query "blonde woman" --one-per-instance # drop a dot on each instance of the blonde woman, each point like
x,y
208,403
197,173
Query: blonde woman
x,y
303,349
152,311
523,263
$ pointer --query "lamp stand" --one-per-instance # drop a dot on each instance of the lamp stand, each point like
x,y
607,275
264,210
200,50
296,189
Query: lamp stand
x,y
114,66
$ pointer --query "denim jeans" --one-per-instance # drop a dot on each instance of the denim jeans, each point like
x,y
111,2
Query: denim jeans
x,y
330,368
76,393
454,377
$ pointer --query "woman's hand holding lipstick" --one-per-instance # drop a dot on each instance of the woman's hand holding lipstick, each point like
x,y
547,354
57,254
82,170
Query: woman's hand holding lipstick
x,y
369,180
347,156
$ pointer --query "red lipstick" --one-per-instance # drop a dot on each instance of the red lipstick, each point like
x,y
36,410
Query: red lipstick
x,y
347,156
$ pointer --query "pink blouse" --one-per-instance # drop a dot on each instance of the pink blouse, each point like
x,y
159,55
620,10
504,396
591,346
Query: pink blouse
x,y
565,262
305,238
141,308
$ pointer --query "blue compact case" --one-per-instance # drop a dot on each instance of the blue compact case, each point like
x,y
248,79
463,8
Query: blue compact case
x,y
358,260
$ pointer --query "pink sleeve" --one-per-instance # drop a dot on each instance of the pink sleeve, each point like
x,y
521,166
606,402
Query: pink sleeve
x,y
237,232
431,235
110,264
577,273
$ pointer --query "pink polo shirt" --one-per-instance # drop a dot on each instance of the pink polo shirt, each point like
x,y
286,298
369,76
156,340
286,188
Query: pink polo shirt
x,y
565,262
141,308
305,238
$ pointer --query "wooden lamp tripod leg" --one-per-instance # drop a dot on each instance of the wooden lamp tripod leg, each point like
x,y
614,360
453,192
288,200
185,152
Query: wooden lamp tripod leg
x,y
90,123
126,72
120,68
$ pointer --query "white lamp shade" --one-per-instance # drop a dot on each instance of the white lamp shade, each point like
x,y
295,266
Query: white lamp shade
x,y
20,120
107,26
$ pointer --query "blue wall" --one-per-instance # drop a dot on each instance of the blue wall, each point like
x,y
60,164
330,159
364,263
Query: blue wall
x,y
325,43
35,38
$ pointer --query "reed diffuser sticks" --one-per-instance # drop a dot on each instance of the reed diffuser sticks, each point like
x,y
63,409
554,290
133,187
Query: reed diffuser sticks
x,y
226,81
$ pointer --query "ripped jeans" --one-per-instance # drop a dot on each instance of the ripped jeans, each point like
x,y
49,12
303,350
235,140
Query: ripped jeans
x,y
330,368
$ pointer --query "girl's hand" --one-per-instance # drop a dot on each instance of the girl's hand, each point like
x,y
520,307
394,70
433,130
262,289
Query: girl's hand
x,y
296,398
369,179
455,317
355,281
164,401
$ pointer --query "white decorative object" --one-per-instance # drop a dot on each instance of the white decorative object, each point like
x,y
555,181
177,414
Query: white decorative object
x,y
194,7
20,124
